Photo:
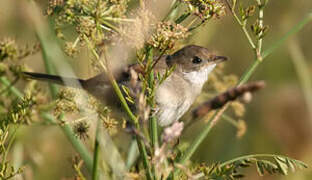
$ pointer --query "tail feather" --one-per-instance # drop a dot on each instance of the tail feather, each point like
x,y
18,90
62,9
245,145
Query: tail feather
x,y
65,81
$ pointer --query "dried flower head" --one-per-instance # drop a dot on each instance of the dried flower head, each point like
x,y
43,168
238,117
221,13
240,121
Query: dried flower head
x,y
65,102
110,124
259,30
206,9
8,49
248,12
166,35
71,49
96,20
238,108
81,130
21,111
103,112
53,5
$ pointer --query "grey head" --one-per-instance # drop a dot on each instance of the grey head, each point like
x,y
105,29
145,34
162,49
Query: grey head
x,y
194,63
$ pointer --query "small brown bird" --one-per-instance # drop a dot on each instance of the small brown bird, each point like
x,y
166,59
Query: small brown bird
x,y
173,97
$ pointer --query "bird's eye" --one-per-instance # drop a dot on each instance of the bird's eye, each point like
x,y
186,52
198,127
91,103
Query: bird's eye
x,y
196,60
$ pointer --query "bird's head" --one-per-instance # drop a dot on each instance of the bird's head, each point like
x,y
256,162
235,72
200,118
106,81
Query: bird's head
x,y
194,63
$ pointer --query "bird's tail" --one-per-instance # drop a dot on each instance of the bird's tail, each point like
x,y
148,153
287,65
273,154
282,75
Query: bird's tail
x,y
66,81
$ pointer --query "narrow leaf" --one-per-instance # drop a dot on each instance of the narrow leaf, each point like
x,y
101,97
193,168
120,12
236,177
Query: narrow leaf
x,y
260,169
281,165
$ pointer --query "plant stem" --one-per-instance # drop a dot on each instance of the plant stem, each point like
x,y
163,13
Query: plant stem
x,y
110,26
132,154
173,8
245,77
132,117
10,142
151,81
119,19
95,174
7,83
154,132
230,120
259,44
242,24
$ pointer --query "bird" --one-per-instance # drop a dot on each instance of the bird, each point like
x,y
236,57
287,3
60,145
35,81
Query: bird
x,y
174,96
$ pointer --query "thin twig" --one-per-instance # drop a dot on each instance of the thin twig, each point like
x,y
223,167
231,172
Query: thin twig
x,y
260,36
242,24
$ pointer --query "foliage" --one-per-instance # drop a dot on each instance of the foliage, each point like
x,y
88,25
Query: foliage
x,y
271,164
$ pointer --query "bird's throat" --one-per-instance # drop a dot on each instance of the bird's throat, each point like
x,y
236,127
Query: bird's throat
x,y
198,78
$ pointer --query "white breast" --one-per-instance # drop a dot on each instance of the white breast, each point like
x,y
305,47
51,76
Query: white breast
x,y
173,100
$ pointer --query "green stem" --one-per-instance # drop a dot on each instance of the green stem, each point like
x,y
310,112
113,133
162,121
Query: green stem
x,y
119,19
12,89
151,81
245,77
230,120
173,8
259,44
154,132
123,101
48,66
110,26
96,159
182,18
10,143
242,24
132,154
132,117
252,44
252,68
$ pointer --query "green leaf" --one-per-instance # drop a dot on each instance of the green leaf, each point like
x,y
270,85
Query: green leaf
x,y
260,169
290,165
282,166
272,164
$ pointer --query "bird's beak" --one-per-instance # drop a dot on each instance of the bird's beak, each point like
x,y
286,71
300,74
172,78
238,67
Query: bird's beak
x,y
218,59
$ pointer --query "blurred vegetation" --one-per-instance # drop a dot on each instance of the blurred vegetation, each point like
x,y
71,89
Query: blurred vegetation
x,y
277,121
